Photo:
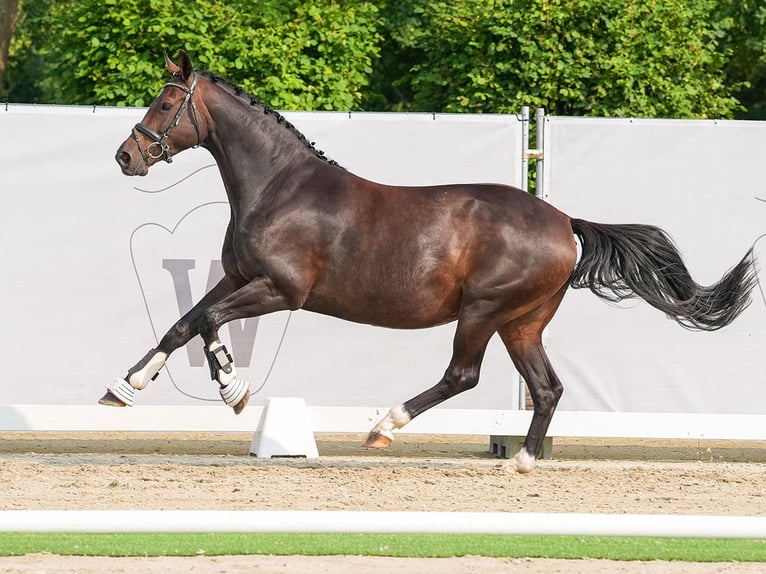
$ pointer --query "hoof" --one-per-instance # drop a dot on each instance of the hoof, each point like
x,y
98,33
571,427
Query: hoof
x,y
110,400
521,463
377,439
119,393
240,406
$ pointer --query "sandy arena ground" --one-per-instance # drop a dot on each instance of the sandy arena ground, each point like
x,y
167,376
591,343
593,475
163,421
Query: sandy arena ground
x,y
49,471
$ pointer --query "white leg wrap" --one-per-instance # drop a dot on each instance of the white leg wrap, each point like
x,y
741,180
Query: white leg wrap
x,y
121,389
234,391
140,379
227,378
396,418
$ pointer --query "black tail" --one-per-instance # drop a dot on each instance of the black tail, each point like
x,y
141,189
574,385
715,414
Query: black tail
x,y
623,261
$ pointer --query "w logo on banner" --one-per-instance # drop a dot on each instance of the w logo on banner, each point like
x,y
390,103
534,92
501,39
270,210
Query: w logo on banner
x,y
241,333
175,266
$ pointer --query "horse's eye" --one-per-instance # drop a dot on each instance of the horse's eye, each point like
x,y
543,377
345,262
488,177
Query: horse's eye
x,y
166,106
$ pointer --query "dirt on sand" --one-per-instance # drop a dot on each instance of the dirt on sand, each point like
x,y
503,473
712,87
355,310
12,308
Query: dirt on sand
x,y
214,471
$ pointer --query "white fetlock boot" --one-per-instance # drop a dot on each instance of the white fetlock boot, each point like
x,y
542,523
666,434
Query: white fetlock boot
x,y
125,390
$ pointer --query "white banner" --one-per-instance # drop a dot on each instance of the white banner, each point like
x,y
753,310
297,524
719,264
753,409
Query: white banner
x,y
702,181
96,266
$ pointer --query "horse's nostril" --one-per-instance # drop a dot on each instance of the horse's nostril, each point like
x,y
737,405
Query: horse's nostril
x,y
123,158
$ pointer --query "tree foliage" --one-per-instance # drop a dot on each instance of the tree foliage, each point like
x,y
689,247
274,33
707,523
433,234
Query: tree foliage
x,y
746,41
575,57
8,17
652,58
295,54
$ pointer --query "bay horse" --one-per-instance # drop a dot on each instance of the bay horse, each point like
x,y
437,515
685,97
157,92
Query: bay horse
x,y
305,233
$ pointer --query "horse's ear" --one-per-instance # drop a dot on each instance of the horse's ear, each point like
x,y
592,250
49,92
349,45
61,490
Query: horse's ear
x,y
172,68
185,63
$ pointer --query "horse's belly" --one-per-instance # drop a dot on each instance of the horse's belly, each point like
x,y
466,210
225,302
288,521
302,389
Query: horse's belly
x,y
394,309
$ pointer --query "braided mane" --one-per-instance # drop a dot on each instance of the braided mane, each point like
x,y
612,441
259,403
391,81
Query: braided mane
x,y
257,103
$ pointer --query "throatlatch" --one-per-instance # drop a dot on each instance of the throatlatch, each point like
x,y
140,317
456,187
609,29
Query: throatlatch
x,y
233,390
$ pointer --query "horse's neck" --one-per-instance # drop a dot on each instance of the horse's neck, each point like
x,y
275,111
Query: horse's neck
x,y
252,150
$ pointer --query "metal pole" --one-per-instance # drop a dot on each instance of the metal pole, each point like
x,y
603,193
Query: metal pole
x,y
540,190
538,155
524,147
522,404
540,145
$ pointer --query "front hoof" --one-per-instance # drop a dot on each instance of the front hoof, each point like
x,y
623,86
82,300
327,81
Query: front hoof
x,y
236,394
119,393
240,406
377,439
109,399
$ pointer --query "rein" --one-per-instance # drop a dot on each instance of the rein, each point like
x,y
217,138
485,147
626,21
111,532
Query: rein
x,y
161,140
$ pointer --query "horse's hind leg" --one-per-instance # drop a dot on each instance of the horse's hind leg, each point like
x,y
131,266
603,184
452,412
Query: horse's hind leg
x,y
523,339
469,344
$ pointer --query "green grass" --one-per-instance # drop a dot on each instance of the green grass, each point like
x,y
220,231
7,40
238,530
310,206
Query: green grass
x,y
419,545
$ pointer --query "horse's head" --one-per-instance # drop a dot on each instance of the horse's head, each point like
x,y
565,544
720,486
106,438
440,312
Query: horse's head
x,y
172,123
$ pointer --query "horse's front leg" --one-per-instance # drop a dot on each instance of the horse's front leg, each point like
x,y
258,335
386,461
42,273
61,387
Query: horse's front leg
x,y
258,297
121,391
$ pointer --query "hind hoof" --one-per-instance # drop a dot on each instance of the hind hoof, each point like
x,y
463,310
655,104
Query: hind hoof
x,y
240,406
522,463
377,439
110,400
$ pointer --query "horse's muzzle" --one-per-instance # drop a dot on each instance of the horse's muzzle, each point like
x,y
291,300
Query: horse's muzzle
x,y
127,162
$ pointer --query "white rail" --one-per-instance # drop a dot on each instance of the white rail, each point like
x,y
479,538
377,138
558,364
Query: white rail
x,y
554,524
361,419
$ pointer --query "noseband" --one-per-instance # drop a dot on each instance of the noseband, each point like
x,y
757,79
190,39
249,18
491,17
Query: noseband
x,y
161,140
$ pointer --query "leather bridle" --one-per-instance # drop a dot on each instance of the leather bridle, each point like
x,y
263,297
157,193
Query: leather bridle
x,y
161,140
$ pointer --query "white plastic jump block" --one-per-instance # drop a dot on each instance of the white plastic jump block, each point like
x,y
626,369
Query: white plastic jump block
x,y
285,430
